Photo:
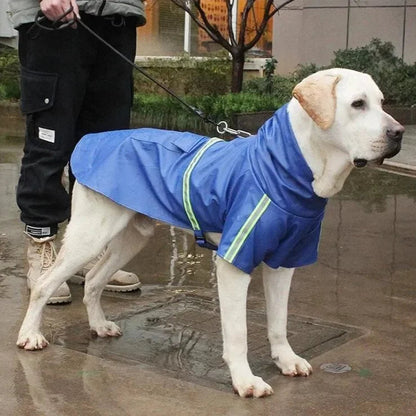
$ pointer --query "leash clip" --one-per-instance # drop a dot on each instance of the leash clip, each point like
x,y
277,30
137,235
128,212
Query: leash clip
x,y
222,127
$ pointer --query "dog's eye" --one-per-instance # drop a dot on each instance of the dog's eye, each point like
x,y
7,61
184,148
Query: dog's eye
x,y
358,104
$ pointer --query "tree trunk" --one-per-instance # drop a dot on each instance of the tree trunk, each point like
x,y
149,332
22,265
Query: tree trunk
x,y
237,73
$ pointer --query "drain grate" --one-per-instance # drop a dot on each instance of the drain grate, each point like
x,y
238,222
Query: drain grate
x,y
183,339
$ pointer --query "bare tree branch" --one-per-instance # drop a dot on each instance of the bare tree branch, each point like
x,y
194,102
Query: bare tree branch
x,y
235,41
268,14
262,26
244,18
230,42
285,3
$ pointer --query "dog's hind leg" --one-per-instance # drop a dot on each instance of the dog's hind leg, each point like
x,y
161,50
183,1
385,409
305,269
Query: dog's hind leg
x,y
232,289
276,288
120,251
95,221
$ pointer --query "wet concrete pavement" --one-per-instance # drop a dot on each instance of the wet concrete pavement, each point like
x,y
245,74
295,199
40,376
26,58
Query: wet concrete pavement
x,y
356,306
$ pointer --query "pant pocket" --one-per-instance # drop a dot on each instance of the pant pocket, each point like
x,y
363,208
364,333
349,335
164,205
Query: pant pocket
x,y
37,100
38,90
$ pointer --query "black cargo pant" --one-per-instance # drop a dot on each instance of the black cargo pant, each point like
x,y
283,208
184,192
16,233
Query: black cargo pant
x,y
71,85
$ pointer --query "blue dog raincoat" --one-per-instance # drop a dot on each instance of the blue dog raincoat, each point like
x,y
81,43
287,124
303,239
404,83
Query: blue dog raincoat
x,y
256,191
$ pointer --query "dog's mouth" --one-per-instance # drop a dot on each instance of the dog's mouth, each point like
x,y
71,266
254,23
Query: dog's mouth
x,y
393,152
361,163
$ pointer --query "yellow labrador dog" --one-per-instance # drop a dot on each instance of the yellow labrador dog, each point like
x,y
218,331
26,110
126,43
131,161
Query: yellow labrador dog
x,y
257,200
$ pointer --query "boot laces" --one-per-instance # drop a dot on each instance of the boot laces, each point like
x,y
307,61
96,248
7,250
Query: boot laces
x,y
47,252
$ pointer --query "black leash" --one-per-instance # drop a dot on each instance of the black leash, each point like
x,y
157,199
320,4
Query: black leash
x,y
42,22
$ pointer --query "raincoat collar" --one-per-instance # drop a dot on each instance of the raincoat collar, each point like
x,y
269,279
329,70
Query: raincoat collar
x,y
281,170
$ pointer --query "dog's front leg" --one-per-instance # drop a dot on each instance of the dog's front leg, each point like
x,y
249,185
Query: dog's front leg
x,y
30,336
232,289
276,288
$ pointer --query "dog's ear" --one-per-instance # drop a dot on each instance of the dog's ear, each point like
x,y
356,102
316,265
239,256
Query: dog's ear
x,y
316,94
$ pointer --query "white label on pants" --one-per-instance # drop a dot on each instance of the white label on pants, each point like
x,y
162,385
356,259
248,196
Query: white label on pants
x,y
47,135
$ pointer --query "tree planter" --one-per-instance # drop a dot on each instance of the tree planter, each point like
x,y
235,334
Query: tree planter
x,y
12,122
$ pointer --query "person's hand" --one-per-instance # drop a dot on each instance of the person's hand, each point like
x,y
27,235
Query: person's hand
x,y
54,9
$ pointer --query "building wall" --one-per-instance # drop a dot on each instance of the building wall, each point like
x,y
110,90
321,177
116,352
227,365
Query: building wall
x,y
309,31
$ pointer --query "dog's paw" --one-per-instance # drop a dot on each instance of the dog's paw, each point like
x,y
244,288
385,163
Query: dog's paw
x,y
252,387
32,342
106,329
292,365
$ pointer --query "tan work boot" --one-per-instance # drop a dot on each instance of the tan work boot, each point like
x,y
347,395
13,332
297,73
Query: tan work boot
x,y
121,281
41,255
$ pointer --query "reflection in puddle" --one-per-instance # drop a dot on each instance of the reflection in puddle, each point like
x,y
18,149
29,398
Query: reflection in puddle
x,y
186,260
182,338
173,259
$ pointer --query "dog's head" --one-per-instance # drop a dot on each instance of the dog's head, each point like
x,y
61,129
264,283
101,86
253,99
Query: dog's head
x,y
346,107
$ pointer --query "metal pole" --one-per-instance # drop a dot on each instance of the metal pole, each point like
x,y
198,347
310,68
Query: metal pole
x,y
187,31
404,27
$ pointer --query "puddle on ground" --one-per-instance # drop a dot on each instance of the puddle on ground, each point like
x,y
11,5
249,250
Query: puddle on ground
x,y
181,337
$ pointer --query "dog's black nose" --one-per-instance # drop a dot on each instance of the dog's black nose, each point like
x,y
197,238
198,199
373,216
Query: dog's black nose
x,y
395,133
